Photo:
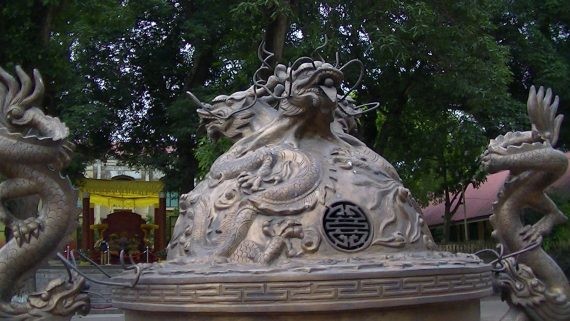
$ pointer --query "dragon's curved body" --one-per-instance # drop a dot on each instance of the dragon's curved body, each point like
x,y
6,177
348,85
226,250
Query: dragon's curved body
x,y
33,149
535,287
270,165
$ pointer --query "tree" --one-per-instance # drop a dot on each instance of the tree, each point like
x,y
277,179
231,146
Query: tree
x,y
437,70
537,34
118,72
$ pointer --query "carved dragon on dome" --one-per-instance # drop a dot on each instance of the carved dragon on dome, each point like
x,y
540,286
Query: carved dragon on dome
x,y
533,284
34,148
278,178
291,146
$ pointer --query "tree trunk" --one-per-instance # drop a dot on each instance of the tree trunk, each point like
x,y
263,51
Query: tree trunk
x,y
450,210
200,68
446,229
392,123
276,33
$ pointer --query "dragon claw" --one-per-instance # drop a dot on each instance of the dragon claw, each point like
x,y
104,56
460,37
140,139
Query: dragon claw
x,y
290,229
250,182
532,234
25,230
283,228
490,162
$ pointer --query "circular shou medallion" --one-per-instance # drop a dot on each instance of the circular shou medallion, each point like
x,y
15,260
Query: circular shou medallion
x,y
346,226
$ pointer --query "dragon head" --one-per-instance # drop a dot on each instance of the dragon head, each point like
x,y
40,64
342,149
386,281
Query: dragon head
x,y
311,87
237,115
18,110
61,297
522,288
223,116
543,134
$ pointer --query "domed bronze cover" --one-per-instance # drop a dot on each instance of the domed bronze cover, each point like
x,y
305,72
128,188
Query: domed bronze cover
x,y
299,216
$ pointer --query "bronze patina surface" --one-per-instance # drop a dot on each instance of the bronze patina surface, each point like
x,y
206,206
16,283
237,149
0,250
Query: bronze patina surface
x,y
299,217
380,281
532,283
43,212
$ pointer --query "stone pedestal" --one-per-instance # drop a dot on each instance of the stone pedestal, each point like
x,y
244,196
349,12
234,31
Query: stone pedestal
x,y
300,221
452,311
435,286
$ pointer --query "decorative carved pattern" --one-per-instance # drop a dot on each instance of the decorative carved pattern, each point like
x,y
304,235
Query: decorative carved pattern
x,y
280,233
307,292
249,237
347,227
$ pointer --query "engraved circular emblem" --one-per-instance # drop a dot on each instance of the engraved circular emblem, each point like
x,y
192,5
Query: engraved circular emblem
x,y
346,226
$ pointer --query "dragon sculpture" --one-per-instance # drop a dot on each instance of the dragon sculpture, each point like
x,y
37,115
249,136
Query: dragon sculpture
x,y
533,284
293,160
226,115
245,112
34,149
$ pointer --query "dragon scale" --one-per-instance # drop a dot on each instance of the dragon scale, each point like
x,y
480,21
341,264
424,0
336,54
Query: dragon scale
x,y
37,203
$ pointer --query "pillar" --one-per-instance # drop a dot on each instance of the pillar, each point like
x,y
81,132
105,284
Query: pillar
x,y
160,220
85,231
91,217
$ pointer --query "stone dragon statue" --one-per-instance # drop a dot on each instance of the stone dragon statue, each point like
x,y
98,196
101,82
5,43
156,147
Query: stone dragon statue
x,y
34,148
532,283
293,159
227,117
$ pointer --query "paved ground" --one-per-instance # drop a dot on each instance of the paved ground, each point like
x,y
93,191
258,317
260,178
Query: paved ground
x,y
492,309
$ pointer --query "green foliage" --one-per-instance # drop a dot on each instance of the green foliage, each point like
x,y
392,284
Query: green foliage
x,y
537,34
560,236
207,152
446,162
448,75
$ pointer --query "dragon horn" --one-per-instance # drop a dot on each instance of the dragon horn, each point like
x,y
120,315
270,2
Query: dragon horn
x,y
25,82
11,83
361,65
38,92
531,106
260,51
316,51
196,100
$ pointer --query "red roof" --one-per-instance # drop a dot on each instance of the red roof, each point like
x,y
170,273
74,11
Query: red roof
x,y
479,202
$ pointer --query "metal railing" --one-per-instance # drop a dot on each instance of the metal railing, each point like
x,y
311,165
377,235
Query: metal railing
x,y
467,247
